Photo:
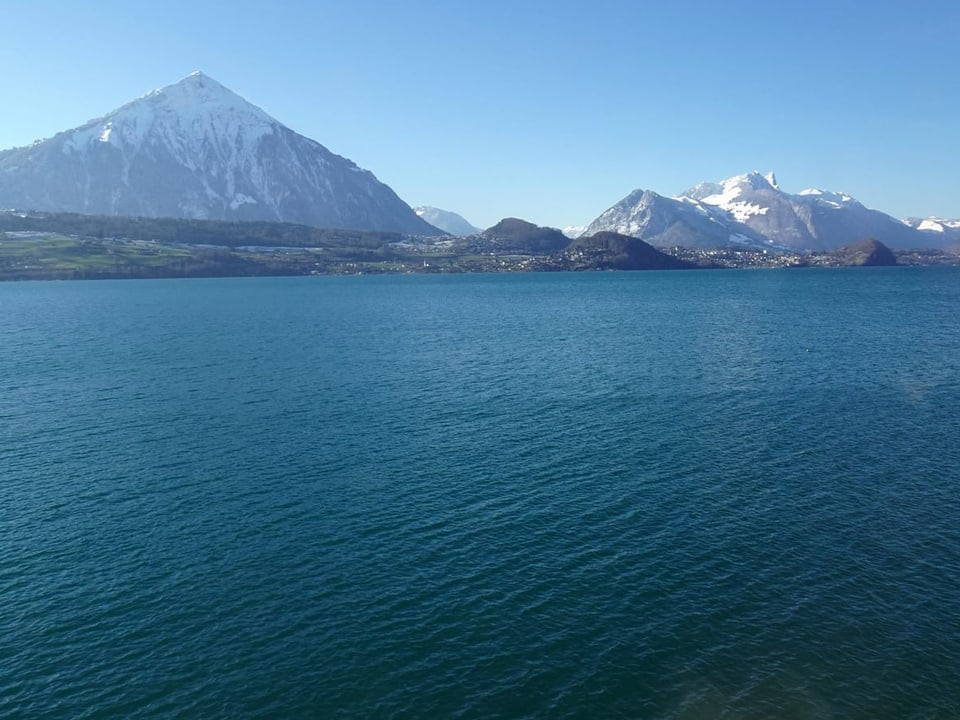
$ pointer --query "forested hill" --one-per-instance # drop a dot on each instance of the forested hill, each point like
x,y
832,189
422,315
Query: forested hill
x,y
194,232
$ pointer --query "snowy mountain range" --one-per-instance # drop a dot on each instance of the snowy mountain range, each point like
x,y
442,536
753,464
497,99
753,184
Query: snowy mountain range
x,y
752,210
447,221
197,150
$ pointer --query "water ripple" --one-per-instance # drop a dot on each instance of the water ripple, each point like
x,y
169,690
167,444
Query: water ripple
x,y
663,496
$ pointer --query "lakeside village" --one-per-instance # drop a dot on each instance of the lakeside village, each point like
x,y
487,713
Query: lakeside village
x,y
62,247
445,255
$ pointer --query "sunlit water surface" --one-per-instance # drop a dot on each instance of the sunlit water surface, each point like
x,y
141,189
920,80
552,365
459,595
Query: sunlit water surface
x,y
639,495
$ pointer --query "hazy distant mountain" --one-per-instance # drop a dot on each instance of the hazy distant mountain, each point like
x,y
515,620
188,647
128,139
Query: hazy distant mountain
x,y
751,209
197,150
447,221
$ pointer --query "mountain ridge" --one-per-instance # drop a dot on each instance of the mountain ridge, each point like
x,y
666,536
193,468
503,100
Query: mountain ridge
x,y
197,150
752,210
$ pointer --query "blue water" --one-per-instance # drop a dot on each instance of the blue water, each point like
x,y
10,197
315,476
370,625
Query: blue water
x,y
634,495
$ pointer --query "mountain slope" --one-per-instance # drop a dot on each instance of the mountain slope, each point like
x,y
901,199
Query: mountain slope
x,y
197,150
758,203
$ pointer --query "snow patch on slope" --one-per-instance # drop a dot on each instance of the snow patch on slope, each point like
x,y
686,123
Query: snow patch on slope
x,y
241,199
734,188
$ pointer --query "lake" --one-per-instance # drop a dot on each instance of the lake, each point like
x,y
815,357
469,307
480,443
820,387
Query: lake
x,y
699,494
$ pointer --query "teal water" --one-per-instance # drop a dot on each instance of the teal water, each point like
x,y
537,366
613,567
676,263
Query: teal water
x,y
634,495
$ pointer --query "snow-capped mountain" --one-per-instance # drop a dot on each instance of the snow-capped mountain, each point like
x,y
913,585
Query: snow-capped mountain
x,y
447,221
197,150
670,222
757,202
751,209
949,230
933,224
810,220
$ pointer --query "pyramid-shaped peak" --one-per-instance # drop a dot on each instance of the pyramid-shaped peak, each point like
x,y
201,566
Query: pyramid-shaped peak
x,y
196,149
196,95
198,85
198,80
184,117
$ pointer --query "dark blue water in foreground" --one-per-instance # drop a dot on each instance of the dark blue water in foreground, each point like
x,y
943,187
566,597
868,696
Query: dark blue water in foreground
x,y
650,495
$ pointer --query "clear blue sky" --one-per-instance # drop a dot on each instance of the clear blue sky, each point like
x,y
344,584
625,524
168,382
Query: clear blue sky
x,y
550,111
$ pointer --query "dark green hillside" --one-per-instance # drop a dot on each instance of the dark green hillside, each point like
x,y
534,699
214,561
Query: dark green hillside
x,y
56,257
523,236
613,251
195,232
866,253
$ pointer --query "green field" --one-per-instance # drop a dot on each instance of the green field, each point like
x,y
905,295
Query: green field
x,y
41,256
57,256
